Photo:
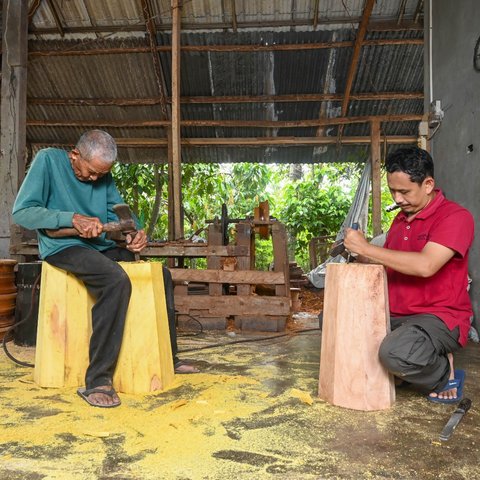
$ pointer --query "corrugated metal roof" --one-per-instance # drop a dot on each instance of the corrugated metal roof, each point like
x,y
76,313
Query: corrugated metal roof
x,y
89,24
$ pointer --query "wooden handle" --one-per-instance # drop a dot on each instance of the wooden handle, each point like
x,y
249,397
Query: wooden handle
x,y
62,232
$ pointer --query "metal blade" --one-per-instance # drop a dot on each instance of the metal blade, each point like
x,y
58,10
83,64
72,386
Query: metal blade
x,y
454,420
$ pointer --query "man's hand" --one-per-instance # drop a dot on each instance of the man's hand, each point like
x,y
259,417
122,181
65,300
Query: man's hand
x,y
136,243
354,241
88,227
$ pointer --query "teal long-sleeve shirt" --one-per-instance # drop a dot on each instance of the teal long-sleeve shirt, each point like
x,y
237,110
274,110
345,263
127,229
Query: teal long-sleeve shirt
x,y
51,194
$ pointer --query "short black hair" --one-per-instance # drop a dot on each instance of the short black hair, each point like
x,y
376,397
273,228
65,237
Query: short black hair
x,y
414,161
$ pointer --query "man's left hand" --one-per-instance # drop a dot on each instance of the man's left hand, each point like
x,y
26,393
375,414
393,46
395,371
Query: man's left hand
x,y
136,243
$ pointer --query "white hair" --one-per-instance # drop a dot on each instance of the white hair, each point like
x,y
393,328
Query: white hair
x,y
98,144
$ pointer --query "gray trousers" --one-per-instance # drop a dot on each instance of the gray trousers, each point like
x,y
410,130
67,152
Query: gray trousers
x,y
108,283
416,351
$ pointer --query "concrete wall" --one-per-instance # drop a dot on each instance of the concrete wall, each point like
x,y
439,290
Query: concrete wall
x,y
455,29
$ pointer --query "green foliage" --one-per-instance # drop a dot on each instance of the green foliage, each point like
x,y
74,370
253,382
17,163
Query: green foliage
x,y
312,206
317,205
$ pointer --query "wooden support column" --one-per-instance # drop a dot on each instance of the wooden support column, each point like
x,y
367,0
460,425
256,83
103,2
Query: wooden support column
x,y
13,111
176,140
376,178
280,257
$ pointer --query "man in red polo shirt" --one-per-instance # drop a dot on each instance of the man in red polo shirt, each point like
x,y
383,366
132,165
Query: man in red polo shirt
x,y
426,258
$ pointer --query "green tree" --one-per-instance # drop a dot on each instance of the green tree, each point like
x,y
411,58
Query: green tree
x,y
317,204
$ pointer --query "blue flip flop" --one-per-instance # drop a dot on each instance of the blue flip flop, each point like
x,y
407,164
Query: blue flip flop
x,y
456,383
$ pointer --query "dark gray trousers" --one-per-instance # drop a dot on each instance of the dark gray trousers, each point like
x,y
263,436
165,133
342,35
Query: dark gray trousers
x,y
416,351
108,283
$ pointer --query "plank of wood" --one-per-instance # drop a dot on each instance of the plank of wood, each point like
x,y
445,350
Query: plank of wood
x,y
223,276
234,304
193,250
355,321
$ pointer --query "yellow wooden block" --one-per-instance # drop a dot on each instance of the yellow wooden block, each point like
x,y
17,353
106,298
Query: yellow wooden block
x,y
64,327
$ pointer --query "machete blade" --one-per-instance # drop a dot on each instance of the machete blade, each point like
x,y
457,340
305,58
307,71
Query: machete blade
x,y
455,418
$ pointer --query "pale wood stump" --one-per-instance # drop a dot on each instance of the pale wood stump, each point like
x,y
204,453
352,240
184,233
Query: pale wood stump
x,y
355,321
64,327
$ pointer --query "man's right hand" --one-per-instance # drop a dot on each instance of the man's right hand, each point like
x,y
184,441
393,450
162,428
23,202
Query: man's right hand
x,y
88,227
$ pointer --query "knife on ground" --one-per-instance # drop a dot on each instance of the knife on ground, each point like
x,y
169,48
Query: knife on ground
x,y
457,415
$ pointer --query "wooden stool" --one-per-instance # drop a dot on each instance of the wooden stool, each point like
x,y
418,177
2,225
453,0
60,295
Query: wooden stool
x,y
355,321
64,327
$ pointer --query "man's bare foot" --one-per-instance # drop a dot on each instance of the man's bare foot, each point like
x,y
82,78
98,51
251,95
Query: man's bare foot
x,y
101,396
185,368
450,394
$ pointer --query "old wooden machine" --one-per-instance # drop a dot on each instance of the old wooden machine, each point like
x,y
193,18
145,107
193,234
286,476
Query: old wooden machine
x,y
232,283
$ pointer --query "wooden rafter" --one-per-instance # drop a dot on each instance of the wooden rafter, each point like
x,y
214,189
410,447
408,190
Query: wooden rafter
x,y
352,70
401,12
157,67
377,26
418,11
227,123
234,16
33,10
56,16
315,14
245,141
225,48
297,98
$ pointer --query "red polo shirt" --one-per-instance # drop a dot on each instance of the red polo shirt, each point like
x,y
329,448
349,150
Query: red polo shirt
x,y
445,293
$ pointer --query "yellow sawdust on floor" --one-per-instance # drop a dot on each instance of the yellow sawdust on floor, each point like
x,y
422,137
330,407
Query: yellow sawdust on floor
x,y
53,431
265,421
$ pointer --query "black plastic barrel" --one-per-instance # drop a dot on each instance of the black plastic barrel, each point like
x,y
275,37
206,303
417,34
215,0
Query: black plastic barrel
x,y
26,311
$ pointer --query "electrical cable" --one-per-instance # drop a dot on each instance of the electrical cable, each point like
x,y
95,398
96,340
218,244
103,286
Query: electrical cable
x,y
192,334
15,325
246,340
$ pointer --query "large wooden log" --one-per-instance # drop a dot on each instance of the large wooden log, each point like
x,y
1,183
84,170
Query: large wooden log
x,y
64,328
355,321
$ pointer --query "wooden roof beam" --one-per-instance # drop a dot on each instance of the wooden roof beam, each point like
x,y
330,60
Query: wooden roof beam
x,y
401,12
315,14
33,10
379,25
234,17
418,11
157,67
308,97
352,70
243,141
227,123
56,16
225,48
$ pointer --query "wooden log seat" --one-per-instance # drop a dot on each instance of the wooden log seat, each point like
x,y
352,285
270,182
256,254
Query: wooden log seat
x,y
355,321
64,328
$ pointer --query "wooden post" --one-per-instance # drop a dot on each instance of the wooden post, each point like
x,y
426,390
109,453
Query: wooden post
x,y
244,238
355,321
13,111
376,178
176,140
215,237
280,257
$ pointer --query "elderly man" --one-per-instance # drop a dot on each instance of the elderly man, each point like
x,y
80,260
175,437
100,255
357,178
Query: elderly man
x,y
426,257
77,190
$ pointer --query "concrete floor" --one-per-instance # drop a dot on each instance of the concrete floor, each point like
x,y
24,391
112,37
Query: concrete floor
x,y
252,413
